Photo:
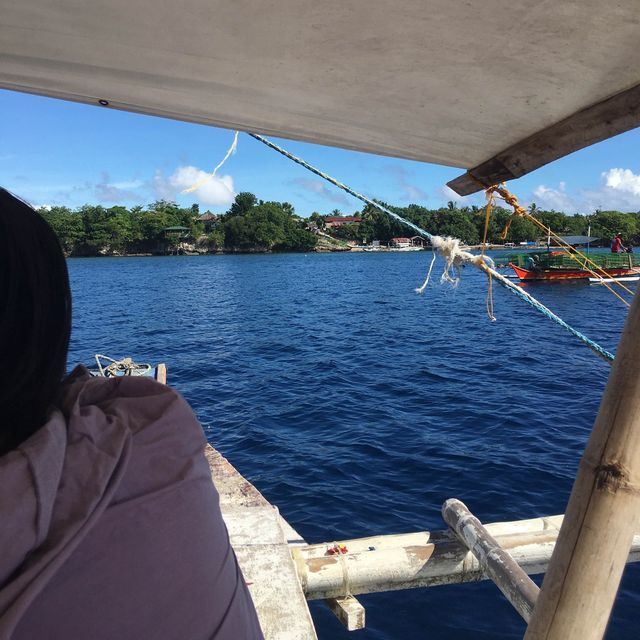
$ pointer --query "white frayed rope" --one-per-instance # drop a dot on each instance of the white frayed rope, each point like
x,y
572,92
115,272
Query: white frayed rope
x,y
454,259
211,176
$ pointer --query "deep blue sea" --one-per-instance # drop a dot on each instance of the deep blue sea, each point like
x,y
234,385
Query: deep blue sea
x,y
358,407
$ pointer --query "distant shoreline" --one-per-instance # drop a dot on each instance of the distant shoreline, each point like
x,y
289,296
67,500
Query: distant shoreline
x,y
351,250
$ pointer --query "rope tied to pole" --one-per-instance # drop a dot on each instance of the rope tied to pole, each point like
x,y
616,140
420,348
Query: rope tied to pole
x,y
491,203
511,200
584,261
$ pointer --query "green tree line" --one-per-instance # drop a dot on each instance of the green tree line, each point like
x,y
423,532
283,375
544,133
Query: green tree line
x,y
467,223
249,225
255,225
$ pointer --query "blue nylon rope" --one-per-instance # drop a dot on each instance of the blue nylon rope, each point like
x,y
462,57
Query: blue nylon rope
x,y
505,282
536,304
342,186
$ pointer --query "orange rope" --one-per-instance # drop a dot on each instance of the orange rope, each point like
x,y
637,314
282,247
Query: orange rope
x,y
491,203
519,210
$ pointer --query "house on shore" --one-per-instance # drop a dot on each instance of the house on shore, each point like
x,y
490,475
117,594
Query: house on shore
x,y
208,220
400,243
333,222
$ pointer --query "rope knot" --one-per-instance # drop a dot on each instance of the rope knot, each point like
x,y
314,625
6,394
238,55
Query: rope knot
x,y
455,259
512,201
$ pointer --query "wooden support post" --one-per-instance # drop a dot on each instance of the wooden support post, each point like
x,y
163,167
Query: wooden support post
x,y
509,577
585,570
349,611
161,373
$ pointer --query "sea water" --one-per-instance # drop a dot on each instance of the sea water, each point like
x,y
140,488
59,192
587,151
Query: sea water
x,y
358,407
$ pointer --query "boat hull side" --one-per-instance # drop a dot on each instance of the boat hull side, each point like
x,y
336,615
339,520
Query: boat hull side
x,y
569,274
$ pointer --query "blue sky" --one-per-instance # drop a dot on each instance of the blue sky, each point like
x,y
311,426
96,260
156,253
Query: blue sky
x,y
61,153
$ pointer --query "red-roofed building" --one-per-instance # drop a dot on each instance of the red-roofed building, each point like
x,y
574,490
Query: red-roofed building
x,y
332,222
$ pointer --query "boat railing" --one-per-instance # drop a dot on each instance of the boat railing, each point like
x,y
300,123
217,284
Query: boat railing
x,y
564,260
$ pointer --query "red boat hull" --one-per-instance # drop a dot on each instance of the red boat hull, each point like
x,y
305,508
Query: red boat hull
x,y
570,274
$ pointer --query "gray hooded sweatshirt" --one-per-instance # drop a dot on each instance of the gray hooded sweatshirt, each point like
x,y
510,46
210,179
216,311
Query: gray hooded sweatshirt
x,y
110,526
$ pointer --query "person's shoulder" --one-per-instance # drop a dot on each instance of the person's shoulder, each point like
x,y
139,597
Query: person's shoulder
x,y
148,424
138,402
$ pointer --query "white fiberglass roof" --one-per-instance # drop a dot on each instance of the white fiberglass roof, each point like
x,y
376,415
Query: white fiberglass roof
x,y
445,81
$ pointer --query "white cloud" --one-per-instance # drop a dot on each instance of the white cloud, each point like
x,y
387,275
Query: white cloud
x,y
552,198
163,188
622,180
131,184
215,191
413,193
620,191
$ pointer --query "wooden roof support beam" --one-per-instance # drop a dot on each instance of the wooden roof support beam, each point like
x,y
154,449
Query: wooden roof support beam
x,y
580,586
599,122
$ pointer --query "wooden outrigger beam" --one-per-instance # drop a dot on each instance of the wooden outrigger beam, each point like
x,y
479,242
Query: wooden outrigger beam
x,y
518,588
598,122
423,559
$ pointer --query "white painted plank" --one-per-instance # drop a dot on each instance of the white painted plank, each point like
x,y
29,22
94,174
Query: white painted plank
x,y
276,592
260,542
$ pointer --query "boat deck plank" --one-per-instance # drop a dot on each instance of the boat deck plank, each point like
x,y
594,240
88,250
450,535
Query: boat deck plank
x,y
259,536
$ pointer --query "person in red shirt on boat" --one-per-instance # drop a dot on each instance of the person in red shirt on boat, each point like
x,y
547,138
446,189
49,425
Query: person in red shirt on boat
x,y
616,244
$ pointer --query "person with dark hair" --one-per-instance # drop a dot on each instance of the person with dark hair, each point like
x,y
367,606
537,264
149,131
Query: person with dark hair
x,y
110,525
35,320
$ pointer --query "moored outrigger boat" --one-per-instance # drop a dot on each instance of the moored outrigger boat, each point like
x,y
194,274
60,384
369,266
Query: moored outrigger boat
x,y
560,265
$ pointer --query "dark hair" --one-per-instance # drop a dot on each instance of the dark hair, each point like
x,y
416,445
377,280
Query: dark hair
x,y
35,320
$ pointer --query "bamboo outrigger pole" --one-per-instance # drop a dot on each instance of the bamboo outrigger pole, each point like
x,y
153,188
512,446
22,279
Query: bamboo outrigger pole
x,y
581,583
518,588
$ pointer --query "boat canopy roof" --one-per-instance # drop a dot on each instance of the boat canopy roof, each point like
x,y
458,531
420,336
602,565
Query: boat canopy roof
x,y
579,239
495,87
